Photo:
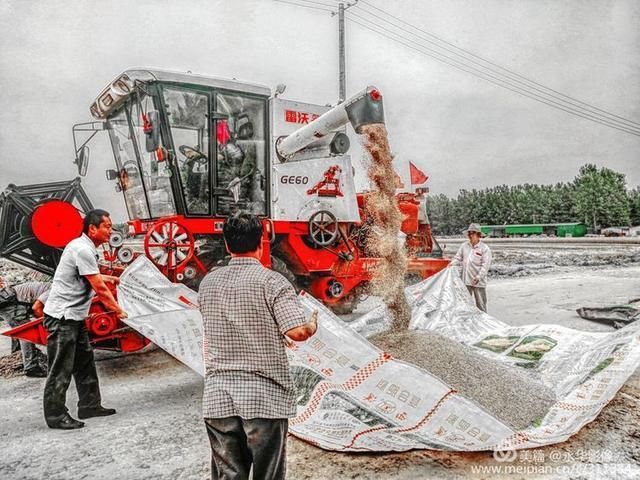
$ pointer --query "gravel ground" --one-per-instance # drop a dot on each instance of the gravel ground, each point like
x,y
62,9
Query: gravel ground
x,y
12,273
11,365
509,393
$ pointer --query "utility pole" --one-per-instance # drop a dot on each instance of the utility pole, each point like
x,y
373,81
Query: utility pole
x,y
341,59
342,76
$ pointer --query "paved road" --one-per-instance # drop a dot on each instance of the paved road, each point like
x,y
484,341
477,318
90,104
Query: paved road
x,y
549,243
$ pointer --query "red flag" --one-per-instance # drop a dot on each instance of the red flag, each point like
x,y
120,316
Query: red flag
x,y
417,176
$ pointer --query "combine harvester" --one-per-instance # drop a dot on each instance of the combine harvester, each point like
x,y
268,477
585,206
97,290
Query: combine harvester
x,y
189,151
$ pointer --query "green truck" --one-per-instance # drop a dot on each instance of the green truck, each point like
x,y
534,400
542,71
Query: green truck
x,y
550,229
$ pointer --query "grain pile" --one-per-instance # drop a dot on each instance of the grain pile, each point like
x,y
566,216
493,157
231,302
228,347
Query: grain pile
x,y
11,365
510,394
382,240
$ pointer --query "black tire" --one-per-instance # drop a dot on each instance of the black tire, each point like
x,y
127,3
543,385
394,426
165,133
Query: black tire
x,y
279,265
343,308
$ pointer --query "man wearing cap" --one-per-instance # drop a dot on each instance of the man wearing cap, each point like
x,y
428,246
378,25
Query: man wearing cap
x,y
474,257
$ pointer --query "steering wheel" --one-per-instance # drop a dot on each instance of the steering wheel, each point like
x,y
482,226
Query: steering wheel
x,y
193,155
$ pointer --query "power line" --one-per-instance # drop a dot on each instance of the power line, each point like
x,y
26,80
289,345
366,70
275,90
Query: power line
x,y
509,73
600,120
496,80
304,6
493,76
483,75
330,5
518,84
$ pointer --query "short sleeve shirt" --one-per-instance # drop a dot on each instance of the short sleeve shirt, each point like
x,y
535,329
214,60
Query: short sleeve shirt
x,y
246,309
70,295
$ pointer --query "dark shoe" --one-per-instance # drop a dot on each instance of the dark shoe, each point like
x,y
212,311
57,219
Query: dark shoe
x,y
36,372
95,412
67,423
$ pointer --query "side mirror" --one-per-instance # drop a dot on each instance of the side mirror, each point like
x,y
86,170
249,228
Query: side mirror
x,y
152,132
82,160
280,88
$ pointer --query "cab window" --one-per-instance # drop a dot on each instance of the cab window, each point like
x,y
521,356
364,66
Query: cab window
x,y
240,129
189,122
156,175
129,177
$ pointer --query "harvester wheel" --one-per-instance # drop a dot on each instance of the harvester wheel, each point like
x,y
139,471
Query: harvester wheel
x,y
279,265
323,228
169,245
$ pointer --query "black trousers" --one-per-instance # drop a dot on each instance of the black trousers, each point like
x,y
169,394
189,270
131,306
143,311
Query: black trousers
x,y
69,354
28,349
237,444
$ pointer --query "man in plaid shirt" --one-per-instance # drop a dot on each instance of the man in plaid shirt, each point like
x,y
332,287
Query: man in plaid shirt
x,y
249,395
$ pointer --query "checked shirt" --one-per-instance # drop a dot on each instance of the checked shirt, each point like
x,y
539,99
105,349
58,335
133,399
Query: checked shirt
x,y
246,309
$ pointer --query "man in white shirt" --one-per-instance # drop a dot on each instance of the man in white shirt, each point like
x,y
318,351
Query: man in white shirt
x,y
75,282
474,257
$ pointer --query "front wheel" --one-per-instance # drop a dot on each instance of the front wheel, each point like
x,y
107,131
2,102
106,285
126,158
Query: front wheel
x,y
280,266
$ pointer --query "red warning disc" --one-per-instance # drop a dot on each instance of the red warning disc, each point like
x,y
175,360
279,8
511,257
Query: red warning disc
x,y
56,223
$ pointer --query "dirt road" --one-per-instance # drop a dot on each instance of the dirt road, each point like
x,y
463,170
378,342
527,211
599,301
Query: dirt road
x,y
158,432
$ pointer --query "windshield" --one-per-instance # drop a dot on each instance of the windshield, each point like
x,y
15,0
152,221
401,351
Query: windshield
x,y
188,118
241,153
146,185
129,177
156,175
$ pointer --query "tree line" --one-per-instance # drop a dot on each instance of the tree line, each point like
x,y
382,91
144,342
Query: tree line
x,y
597,197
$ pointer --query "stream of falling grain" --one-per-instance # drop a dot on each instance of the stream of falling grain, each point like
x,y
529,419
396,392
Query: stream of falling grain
x,y
382,241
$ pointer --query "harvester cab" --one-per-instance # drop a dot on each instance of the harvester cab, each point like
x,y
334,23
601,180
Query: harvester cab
x,y
190,150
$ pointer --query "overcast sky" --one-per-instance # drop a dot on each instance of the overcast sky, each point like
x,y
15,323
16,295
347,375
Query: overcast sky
x,y
56,56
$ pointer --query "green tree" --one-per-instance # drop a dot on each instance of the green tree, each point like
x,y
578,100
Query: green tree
x,y
601,197
440,214
634,206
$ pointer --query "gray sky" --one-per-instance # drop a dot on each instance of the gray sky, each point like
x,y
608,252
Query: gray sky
x,y
56,56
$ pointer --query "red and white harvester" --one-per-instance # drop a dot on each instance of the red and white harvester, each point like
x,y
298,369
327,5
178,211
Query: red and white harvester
x,y
190,150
